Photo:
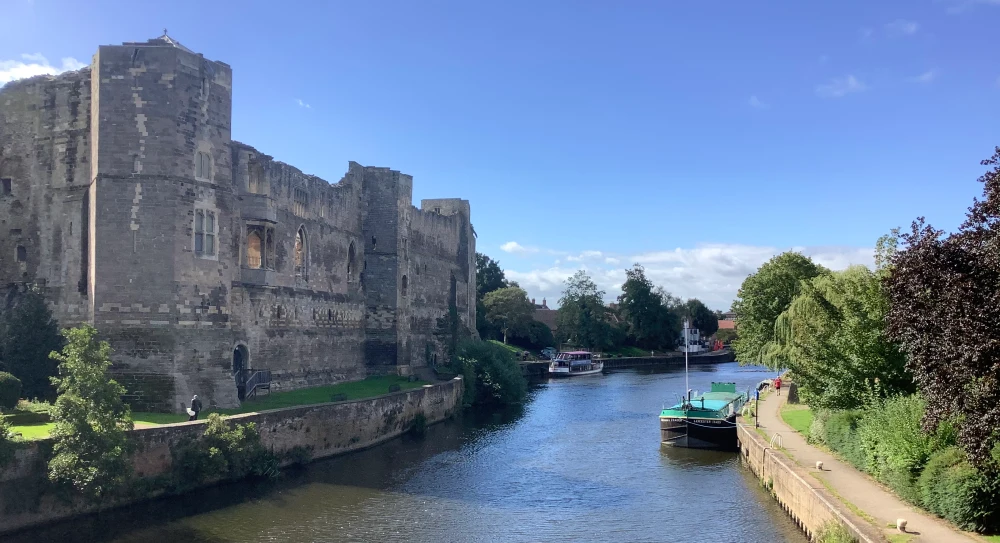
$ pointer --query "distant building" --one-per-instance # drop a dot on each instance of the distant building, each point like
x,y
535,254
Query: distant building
x,y
545,315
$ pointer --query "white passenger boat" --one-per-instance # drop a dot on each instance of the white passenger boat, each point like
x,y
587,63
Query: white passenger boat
x,y
574,363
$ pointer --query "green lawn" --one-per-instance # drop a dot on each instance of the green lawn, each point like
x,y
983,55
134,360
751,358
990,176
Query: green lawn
x,y
799,417
627,352
355,390
992,538
515,350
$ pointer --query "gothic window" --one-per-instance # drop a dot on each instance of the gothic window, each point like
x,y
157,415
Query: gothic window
x,y
404,285
300,252
351,264
203,166
22,253
300,202
374,243
204,232
253,250
6,185
269,249
322,206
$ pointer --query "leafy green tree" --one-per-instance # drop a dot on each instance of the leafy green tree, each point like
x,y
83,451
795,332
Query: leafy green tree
x,y
834,340
489,276
509,310
492,376
10,390
583,318
702,318
725,335
763,296
91,451
28,333
944,306
648,321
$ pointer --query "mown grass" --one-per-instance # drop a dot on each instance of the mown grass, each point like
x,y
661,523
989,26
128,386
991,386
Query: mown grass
x,y
515,350
992,538
354,390
799,417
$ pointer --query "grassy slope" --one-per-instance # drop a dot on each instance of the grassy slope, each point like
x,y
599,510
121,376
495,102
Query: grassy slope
x,y
515,350
799,417
355,390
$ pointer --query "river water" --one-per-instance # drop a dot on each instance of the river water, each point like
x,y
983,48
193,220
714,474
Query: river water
x,y
580,462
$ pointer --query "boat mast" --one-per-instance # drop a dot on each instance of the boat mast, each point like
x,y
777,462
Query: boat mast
x,y
687,386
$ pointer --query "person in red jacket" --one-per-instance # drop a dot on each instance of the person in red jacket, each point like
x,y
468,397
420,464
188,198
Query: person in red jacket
x,y
777,385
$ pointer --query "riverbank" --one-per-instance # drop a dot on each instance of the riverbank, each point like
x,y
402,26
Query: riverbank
x,y
295,434
850,490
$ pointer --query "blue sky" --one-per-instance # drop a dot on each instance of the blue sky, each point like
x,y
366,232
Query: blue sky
x,y
698,138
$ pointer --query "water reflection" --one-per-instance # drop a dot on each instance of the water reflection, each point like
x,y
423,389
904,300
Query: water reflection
x,y
580,462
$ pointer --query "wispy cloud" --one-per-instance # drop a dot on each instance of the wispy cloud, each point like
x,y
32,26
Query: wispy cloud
x,y
711,272
302,104
514,247
924,78
31,65
757,103
902,27
839,87
866,33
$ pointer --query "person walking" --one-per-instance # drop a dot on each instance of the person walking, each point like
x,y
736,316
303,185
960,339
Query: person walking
x,y
777,385
195,408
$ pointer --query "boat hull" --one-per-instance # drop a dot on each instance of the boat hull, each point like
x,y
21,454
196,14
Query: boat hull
x,y
695,433
564,372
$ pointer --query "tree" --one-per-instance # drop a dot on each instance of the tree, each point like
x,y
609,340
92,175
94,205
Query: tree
x,y
726,335
536,335
762,297
582,316
489,276
649,323
509,309
833,337
28,333
91,447
701,317
944,306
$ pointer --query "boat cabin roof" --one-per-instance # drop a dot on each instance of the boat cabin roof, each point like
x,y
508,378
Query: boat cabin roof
x,y
576,352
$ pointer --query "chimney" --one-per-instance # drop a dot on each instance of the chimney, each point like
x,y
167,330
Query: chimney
x,y
544,305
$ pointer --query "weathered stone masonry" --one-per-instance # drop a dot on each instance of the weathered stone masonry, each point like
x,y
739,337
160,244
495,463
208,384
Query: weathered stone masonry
x,y
123,195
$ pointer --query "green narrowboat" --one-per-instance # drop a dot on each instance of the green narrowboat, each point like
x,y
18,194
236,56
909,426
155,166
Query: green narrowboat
x,y
706,421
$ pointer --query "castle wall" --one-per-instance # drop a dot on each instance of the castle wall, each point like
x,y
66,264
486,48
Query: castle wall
x,y
133,206
44,175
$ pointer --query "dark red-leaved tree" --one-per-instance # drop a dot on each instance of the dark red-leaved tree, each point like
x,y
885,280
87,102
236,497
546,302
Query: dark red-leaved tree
x,y
944,294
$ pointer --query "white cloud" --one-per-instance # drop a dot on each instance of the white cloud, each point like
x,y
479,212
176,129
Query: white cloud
x,y
31,65
711,272
926,77
756,103
516,248
839,87
302,104
902,27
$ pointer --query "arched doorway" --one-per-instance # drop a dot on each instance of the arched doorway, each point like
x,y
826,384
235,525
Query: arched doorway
x,y
241,362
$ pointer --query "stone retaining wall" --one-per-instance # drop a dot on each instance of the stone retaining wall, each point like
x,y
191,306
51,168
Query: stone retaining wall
x,y
804,498
324,429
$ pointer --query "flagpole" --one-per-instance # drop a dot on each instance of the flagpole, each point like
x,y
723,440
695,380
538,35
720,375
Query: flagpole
x,y
687,385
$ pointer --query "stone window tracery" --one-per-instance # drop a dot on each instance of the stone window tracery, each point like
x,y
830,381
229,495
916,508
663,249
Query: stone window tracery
x,y
253,250
204,232
300,252
203,166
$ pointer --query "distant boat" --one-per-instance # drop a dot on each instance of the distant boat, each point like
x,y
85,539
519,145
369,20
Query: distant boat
x,y
706,421
574,363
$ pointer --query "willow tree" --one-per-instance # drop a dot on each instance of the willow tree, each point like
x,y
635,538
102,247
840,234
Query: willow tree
x,y
944,294
833,338
763,296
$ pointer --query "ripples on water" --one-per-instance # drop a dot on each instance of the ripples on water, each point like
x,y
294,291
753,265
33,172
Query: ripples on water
x,y
581,462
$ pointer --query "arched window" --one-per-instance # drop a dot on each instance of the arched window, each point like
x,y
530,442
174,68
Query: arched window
x,y
253,250
300,251
404,285
351,265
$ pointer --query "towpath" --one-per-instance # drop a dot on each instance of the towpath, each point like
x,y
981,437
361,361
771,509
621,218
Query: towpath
x,y
856,488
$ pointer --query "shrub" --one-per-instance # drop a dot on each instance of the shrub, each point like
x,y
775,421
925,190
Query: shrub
x,y
91,445
28,334
834,532
8,443
10,390
492,376
223,452
950,487
894,445
817,430
840,433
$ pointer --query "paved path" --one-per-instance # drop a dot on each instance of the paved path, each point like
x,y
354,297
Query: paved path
x,y
856,487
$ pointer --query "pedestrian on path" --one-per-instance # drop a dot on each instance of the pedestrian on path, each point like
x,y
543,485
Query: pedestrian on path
x,y
777,385
195,408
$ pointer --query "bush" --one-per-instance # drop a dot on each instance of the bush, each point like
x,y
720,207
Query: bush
x,y
834,532
10,390
840,433
894,445
950,487
492,376
8,443
223,452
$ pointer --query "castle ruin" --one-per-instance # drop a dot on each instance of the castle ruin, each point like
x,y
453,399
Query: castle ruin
x,y
125,199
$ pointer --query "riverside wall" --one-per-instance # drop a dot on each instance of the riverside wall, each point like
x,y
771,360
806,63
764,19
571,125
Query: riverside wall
x,y
803,497
324,430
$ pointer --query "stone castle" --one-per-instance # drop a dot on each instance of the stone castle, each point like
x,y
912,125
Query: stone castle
x,y
125,199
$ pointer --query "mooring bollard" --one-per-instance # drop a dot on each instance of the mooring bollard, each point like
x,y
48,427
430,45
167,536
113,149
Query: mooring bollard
x,y
819,465
901,524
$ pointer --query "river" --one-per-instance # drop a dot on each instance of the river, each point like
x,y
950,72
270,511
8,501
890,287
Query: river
x,y
580,462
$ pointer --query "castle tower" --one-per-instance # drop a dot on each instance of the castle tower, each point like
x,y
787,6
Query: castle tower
x,y
160,208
